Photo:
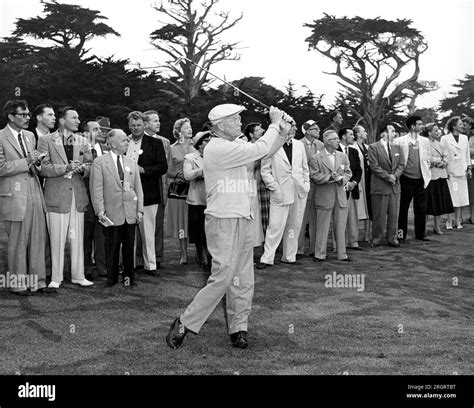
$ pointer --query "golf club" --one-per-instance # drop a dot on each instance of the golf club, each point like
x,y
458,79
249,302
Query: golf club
x,y
286,117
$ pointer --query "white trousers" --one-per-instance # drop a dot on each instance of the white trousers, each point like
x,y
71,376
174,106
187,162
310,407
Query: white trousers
x,y
68,226
230,242
147,233
284,224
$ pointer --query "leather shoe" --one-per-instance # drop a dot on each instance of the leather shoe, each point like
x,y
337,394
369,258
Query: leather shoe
x,y
23,293
176,334
345,260
423,239
373,244
47,290
357,248
82,282
152,272
291,263
394,244
318,260
139,268
239,339
262,265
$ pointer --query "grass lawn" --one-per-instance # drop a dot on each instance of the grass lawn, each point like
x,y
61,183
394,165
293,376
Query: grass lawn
x,y
411,318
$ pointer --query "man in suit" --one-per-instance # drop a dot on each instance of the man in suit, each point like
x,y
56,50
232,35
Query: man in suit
x,y
68,160
415,178
22,206
286,175
93,234
45,121
387,163
330,170
151,120
346,136
336,122
117,194
150,156
312,145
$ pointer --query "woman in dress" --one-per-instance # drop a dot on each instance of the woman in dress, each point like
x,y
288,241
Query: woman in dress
x,y
467,123
456,146
438,197
193,172
177,208
364,203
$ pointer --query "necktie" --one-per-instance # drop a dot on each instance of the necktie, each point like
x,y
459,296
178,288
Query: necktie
x,y
119,168
20,142
389,152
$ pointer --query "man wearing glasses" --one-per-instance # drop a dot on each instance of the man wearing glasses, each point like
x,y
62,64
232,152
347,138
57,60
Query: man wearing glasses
x,y
330,170
22,205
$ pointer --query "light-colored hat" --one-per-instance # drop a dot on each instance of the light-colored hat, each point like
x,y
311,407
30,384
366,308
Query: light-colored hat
x,y
199,135
327,134
224,111
309,123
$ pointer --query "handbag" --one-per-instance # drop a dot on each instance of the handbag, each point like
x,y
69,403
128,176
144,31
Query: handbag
x,y
178,190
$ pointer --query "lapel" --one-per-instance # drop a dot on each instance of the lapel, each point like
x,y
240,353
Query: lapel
x,y
452,142
327,163
58,146
144,149
283,156
127,174
384,151
14,142
112,168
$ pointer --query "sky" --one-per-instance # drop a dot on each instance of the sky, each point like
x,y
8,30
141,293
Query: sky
x,y
272,37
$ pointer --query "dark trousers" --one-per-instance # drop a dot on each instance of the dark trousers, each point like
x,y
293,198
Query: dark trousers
x,y
94,238
412,189
114,237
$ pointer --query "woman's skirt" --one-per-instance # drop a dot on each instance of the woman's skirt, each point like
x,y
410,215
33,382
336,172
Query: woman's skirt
x,y
438,198
458,189
177,218
197,233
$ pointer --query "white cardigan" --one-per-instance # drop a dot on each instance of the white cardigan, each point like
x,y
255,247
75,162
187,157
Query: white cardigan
x,y
458,154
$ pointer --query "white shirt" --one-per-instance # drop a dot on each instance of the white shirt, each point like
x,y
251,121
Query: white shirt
x,y
41,134
385,145
15,133
134,149
114,157
332,158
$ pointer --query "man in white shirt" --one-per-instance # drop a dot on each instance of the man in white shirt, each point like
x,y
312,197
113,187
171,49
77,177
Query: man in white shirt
x,y
229,223
286,175
312,145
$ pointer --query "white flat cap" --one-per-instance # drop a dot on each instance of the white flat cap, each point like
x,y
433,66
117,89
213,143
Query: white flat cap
x,y
309,123
224,111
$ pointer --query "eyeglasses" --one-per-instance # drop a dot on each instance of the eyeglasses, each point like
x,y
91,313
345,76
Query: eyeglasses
x,y
23,114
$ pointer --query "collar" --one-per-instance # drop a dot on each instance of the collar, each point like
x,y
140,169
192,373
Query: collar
x,y
330,154
41,134
15,132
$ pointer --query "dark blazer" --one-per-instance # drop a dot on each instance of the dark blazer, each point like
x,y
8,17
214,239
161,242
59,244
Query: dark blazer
x,y
382,169
356,171
153,160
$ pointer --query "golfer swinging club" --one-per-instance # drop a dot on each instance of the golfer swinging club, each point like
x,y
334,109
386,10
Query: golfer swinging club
x,y
229,222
